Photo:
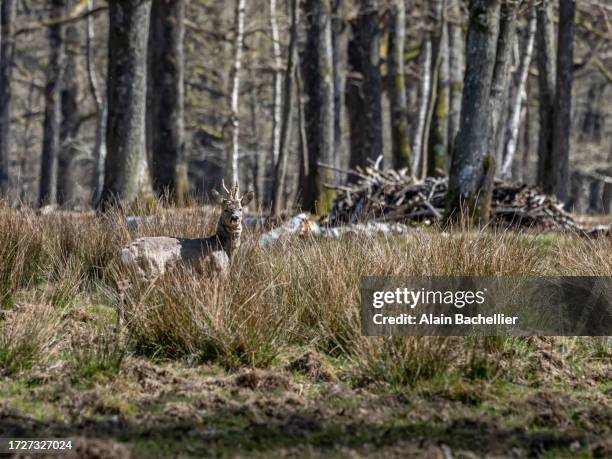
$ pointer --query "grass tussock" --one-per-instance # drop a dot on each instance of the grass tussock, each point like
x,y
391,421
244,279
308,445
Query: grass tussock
x,y
293,294
28,337
22,254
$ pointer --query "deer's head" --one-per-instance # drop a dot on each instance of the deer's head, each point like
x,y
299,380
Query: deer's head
x,y
232,205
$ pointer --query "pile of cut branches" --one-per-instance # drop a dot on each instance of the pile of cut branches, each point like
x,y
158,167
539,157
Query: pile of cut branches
x,y
393,195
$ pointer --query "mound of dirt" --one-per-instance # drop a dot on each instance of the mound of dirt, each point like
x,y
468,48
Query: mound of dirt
x,y
312,365
256,379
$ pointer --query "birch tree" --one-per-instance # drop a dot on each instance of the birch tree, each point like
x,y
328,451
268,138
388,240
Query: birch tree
x,y
280,170
423,95
233,125
501,79
519,97
277,86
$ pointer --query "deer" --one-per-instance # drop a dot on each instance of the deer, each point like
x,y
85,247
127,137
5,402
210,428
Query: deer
x,y
153,256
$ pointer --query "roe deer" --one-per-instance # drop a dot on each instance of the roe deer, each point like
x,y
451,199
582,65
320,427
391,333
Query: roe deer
x,y
152,256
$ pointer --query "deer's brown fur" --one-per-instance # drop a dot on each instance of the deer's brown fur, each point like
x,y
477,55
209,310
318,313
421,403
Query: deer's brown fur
x,y
152,256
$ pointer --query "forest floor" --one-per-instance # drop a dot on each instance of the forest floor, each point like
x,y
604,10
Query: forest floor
x,y
271,362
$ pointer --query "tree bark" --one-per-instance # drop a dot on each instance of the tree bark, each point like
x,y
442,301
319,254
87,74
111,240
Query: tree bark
x,y
166,34
70,123
277,92
340,31
457,70
519,97
501,80
317,75
7,47
126,92
364,97
397,86
471,168
51,125
233,125
280,170
424,90
545,43
436,136
558,182
99,152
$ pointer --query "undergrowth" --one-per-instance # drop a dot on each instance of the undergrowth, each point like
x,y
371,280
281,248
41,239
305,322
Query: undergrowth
x,y
294,294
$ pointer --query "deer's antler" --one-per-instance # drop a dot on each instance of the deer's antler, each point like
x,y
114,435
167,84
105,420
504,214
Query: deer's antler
x,y
225,188
235,194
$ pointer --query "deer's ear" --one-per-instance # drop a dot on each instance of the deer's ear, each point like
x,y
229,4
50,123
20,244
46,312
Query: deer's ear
x,y
248,197
216,197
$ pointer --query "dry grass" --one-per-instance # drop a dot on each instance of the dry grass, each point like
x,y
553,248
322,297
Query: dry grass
x,y
295,294
29,336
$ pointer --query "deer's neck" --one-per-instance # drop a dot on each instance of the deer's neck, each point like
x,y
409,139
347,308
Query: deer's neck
x,y
228,238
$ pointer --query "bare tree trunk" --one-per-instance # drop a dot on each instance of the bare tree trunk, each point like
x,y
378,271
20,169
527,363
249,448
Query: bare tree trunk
x,y
457,70
167,30
340,31
231,160
523,169
519,97
559,176
28,141
319,110
7,47
424,90
70,123
280,170
51,126
99,152
304,171
471,168
397,86
257,160
277,90
436,133
501,79
545,43
126,92
364,97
